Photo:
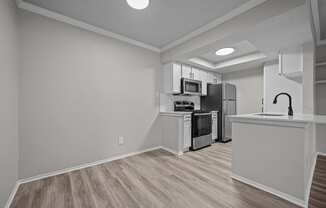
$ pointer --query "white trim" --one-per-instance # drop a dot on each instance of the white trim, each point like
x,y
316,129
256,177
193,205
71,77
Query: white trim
x,y
12,195
258,121
315,15
321,153
172,151
311,176
59,17
321,42
270,190
316,19
66,170
228,63
236,12
318,64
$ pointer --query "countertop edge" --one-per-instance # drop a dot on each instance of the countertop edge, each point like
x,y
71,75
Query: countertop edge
x,y
300,119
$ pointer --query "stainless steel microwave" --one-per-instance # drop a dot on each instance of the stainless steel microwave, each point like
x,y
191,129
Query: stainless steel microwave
x,y
190,87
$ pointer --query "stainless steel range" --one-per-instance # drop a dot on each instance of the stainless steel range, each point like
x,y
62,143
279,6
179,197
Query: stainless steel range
x,y
201,131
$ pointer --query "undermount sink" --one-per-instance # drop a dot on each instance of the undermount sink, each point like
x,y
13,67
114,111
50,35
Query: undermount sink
x,y
269,114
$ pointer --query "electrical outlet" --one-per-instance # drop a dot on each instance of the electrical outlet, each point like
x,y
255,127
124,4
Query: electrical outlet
x,y
121,140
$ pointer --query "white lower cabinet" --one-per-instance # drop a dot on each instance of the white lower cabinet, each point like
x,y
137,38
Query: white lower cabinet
x,y
214,125
187,132
176,132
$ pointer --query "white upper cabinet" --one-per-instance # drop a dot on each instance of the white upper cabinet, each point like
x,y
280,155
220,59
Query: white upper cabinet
x,y
212,78
173,72
196,73
172,78
291,62
186,72
201,76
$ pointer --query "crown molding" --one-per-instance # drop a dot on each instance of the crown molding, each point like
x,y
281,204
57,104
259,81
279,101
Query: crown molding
x,y
235,12
233,62
61,18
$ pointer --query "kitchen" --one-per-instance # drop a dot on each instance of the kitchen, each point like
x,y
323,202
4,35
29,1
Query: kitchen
x,y
187,89
243,96
213,103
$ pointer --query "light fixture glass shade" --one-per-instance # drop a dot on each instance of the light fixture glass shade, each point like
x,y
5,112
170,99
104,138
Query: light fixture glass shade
x,y
225,51
138,4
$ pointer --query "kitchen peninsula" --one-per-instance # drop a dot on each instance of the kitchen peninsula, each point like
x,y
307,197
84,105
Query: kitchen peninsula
x,y
274,152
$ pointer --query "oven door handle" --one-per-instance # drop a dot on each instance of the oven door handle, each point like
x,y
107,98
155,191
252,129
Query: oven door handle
x,y
202,114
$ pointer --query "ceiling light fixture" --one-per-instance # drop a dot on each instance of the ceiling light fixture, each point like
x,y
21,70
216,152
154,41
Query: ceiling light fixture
x,y
225,51
138,4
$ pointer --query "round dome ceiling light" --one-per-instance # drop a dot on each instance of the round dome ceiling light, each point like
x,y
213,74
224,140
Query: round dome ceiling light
x,y
225,51
138,4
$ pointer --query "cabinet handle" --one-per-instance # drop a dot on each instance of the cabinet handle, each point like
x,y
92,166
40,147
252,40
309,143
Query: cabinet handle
x,y
280,63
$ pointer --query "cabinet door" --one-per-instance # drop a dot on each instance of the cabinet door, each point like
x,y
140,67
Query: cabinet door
x,y
186,72
291,61
211,78
176,78
187,132
171,83
204,80
214,126
196,73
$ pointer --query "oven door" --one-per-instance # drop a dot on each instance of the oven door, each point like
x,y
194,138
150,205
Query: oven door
x,y
201,124
190,87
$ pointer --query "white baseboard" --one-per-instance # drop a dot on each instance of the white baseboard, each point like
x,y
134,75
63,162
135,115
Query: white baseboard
x,y
172,151
86,165
321,153
66,170
270,190
12,195
310,180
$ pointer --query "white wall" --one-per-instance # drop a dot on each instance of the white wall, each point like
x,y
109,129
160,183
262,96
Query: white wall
x,y
249,85
8,98
274,84
79,92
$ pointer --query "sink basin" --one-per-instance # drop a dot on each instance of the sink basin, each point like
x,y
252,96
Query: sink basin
x,y
269,114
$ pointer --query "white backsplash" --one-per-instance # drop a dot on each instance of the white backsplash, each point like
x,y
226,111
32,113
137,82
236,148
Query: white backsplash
x,y
167,101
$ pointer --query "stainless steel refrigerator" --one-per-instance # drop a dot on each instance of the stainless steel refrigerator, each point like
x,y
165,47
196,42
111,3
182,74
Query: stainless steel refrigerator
x,y
221,98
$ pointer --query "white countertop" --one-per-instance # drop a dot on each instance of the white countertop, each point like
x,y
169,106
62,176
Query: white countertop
x,y
178,113
174,113
297,118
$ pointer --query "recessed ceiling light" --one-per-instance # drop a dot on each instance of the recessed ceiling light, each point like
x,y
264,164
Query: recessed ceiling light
x,y
138,4
225,51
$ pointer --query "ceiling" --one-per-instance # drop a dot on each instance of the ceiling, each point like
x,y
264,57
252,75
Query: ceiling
x,y
163,22
255,45
241,49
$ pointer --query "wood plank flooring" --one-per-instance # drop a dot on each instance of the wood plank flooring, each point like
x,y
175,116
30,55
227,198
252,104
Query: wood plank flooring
x,y
198,179
317,197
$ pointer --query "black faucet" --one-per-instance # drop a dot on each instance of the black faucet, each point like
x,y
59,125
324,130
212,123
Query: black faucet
x,y
290,112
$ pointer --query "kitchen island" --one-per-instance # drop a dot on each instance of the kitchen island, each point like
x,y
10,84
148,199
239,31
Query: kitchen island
x,y
275,153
